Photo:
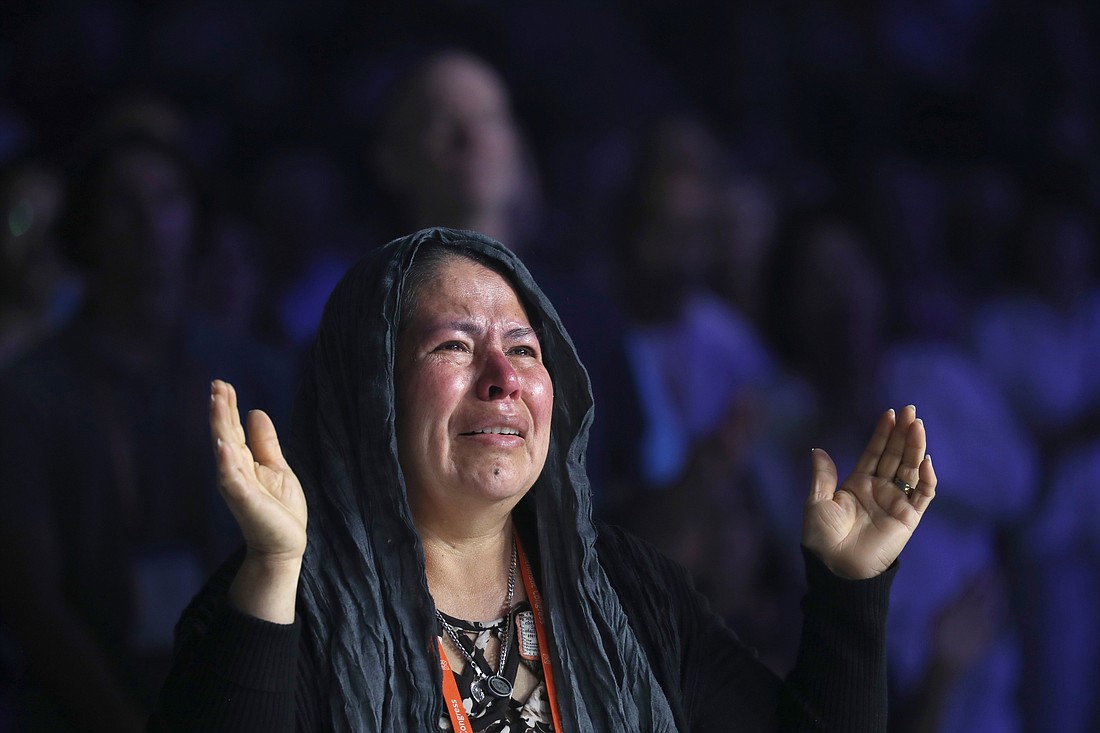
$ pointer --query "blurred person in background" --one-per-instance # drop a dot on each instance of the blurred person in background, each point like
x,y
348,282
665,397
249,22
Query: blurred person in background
x,y
449,149
748,214
1057,596
832,323
1039,339
693,356
104,457
39,290
701,372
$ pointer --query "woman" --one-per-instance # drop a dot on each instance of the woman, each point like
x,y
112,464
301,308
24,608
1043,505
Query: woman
x,y
440,431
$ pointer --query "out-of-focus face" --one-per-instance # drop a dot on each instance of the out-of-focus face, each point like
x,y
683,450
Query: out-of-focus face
x,y
31,199
673,219
462,149
837,302
474,399
146,229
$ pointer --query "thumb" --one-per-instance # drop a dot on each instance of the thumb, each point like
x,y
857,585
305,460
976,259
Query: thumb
x,y
823,482
264,440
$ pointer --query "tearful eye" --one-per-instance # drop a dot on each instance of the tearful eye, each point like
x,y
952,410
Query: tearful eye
x,y
525,351
451,346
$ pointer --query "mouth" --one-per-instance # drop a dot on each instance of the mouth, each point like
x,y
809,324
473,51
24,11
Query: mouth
x,y
494,431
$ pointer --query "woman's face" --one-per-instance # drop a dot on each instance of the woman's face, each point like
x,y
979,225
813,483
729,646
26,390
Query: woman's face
x,y
474,399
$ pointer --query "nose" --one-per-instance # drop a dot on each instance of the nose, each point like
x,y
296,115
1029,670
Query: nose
x,y
498,378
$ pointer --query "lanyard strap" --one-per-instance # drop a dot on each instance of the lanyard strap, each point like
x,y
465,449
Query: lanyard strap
x,y
455,708
540,630
460,722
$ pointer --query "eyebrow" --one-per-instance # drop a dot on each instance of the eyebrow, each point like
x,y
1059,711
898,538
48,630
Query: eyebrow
x,y
522,332
462,326
474,328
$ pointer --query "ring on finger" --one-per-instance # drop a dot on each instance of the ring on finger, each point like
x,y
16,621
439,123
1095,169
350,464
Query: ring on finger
x,y
905,487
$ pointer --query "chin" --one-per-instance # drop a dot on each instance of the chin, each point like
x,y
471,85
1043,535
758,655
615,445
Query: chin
x,y
494,490
500,484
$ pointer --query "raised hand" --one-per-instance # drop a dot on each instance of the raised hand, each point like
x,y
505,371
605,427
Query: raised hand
x,y
267,501
860,528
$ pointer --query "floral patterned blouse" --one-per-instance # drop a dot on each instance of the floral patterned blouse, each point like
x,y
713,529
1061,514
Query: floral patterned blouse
x,y
493,714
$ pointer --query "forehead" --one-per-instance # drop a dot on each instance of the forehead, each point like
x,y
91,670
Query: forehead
x,y
459,287
460,81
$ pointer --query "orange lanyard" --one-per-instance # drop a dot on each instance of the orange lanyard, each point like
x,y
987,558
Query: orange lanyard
x,y
540,630
459,721
455,708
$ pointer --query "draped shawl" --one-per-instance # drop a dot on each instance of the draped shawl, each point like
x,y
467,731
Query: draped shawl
x,y
368,618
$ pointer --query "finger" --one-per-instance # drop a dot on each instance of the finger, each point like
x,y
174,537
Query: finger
x,y
221,418
872,454
913,453
235,472
824,479
235,413
926,487
894,451
232,454
264,440
225,417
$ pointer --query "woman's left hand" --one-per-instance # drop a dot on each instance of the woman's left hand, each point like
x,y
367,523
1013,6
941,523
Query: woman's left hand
x,y
860,528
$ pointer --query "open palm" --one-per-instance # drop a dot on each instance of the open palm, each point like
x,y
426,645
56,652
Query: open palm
x,y
859,528
255,480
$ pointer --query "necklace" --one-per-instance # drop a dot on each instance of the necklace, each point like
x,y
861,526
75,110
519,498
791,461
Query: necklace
x,y
496,684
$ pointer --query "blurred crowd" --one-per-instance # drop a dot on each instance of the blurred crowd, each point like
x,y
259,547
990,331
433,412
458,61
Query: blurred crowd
x,y
762,224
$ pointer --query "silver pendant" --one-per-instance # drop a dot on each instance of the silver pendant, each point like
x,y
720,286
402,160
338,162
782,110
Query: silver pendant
x,y
499,686
476,692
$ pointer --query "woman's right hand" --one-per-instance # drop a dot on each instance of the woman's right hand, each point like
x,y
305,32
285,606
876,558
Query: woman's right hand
x,y
268,503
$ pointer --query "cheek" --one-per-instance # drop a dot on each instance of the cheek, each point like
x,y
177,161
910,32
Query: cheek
x,y
541,400
429,397
409,402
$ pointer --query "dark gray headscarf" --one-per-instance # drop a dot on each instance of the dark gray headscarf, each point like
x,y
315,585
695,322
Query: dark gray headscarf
x,y
366,611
